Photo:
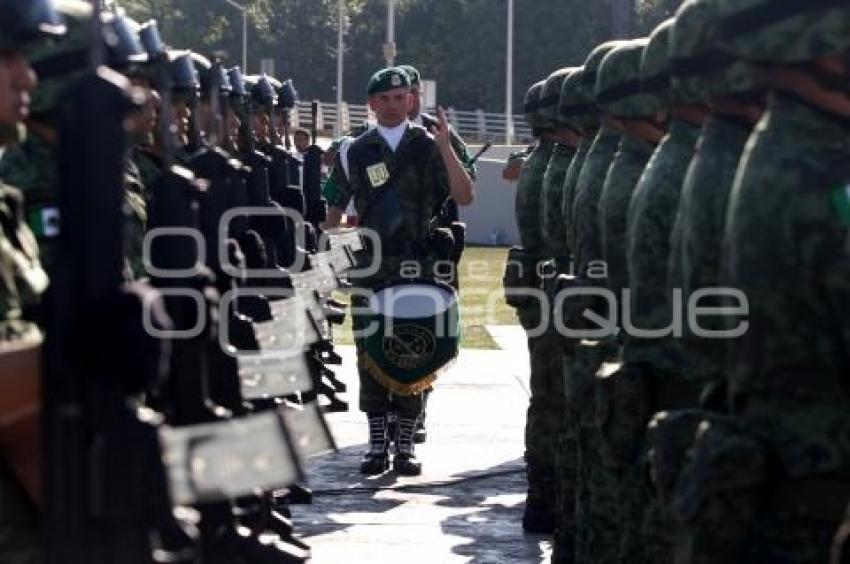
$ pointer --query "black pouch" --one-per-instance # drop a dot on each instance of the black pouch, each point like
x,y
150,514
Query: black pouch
x,y
520,274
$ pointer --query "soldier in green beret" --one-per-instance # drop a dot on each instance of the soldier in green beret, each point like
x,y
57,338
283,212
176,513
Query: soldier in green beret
x,y
448,214
22,279
420,171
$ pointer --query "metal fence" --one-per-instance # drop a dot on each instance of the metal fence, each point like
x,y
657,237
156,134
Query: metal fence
x,y
476,126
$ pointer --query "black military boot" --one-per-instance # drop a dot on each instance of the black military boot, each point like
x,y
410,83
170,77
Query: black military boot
x,y
539,515
538,518
377,460
420,435
405,462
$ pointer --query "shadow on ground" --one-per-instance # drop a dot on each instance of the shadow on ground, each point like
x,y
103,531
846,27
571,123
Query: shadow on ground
x,y
474,515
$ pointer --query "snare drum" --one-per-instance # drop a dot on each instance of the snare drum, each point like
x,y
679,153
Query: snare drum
x,y
409,332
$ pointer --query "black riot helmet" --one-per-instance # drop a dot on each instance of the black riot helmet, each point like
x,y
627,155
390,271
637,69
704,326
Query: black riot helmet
x,y
184,76
237,82
212,76
23,21
151,40
263,94
120,34
287,95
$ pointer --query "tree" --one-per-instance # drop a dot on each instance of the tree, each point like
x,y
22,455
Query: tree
x,y
459,43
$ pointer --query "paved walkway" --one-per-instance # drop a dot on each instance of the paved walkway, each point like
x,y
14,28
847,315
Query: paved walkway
x,y
467,505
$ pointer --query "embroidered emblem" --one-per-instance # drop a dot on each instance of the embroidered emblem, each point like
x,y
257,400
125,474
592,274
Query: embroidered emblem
x,y
378,174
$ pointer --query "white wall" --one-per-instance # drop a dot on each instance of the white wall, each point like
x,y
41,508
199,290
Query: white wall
x,y
492,212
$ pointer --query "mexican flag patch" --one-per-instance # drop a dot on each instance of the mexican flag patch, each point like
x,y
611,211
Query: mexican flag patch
x,y
44,222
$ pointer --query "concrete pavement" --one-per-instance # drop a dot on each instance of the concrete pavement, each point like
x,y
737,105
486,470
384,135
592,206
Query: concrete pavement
x,y
467,505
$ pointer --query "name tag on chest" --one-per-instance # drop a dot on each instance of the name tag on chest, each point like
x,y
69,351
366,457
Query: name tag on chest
x,y
378,174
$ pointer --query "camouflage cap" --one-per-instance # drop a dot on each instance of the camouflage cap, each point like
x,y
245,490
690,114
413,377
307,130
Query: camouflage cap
x,y
784,31
531,107
387,79
412,73
618,83
24,21
550,97
700,68
577,106
655,65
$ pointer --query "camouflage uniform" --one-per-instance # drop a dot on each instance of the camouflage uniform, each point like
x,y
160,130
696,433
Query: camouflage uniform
x,y
620,414
601,542
577,111
569,190
22,281
698,231
544,351
550,389
796,282
651,362
135,222
544,354
629,163
551,209
31,166
419,197
577,108
652,212
785,248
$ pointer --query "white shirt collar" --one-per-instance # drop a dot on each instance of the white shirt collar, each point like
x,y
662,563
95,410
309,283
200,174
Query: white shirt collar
x,y
393,135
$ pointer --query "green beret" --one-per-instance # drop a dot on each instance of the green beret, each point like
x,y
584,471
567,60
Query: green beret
x,y
577,107
618,83
655,65
784,31
415,77
700,68
387,79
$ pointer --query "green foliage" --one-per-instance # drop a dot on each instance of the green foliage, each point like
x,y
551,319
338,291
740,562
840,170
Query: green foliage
x,y
459,43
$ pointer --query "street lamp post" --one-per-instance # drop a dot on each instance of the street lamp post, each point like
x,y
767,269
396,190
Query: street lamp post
x,y
389,47
244,11
509,77
339,68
